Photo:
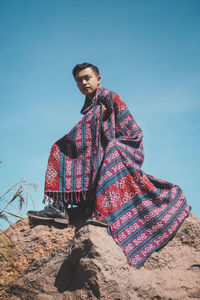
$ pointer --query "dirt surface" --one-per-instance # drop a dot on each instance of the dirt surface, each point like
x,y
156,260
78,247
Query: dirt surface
x,y
32,242
83,262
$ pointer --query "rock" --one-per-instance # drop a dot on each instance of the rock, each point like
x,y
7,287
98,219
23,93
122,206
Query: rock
x,y
84,262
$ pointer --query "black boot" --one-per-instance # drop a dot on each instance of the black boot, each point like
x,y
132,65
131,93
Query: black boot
x,y
51,213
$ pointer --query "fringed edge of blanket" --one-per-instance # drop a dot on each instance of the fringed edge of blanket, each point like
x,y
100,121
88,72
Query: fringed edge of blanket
x,y
68,198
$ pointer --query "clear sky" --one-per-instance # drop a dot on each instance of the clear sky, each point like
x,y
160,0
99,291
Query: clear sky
x,y
148,51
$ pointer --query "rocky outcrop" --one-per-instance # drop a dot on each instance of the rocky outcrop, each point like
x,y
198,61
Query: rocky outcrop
x,y
83,262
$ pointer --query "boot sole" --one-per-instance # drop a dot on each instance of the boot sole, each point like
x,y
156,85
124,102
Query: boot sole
x,y
96,222
57,220
61,221
39,218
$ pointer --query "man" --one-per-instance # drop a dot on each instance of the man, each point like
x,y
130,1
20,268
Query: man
x,y
88,81
98,163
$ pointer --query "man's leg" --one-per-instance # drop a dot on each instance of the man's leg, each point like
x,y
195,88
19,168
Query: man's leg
x,y
93,216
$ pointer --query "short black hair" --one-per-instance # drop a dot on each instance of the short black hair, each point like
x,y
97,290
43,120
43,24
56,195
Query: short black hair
x,y
83,66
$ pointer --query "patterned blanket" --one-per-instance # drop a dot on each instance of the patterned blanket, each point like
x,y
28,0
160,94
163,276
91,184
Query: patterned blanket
x,y
106,155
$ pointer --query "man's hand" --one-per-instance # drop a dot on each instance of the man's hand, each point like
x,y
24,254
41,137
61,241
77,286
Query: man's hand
x,y
103,111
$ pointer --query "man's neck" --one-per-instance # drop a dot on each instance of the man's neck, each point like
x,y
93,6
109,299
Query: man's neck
x,y
91,97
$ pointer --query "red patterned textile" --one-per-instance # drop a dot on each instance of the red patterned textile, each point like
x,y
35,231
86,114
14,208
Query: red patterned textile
x,y
106,156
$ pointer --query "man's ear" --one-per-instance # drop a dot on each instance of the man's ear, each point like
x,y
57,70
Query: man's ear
x,y
99,79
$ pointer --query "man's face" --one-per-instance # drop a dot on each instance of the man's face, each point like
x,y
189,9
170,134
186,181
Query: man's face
x,y
88,82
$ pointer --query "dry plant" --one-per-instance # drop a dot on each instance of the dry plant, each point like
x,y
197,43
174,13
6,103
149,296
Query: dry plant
x,y
12,200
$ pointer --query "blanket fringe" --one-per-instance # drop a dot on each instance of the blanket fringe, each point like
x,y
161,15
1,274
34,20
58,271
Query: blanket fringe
x,y
69,198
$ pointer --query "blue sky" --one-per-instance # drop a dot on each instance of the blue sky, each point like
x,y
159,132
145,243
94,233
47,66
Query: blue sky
x,y
147,51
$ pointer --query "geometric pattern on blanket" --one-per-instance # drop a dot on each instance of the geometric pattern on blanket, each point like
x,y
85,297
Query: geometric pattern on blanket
x,y
143,212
